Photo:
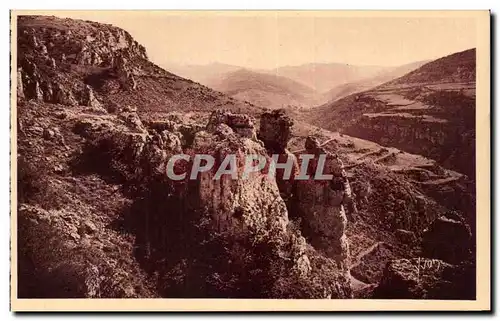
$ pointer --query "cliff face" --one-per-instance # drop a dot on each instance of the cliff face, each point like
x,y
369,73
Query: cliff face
x,y
448,142
317,204
227,234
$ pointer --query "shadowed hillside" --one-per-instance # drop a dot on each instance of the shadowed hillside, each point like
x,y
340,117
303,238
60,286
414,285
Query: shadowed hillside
x,y
430,111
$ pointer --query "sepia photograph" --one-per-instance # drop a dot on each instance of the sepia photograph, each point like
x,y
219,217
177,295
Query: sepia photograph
x,y
177,156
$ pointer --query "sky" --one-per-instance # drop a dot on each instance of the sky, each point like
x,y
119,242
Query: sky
x,y
269,40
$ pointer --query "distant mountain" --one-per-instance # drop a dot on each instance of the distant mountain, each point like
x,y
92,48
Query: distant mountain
x,y
203,74
429,111
302,86
367,83
323,77
264,90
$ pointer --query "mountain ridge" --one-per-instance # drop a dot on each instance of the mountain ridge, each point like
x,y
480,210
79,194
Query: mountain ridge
x,y
428,95
79,53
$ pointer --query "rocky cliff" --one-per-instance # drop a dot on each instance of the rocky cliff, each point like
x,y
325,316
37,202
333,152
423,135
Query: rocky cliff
x,y
400,200
93,183
99,217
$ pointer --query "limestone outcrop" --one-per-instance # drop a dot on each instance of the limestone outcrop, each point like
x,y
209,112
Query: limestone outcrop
x,y
274,132
239,215
320,204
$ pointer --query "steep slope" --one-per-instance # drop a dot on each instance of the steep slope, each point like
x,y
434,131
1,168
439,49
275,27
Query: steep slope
x,y
323,77
64,61
98,216
459,67
382,77
430,111
265,90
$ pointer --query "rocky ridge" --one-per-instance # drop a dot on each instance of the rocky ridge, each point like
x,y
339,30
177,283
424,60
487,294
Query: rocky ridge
x,y
210,231
62,60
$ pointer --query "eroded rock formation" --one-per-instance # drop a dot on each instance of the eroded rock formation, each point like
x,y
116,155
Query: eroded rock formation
x,y
320,204
51,49
245,220
275,130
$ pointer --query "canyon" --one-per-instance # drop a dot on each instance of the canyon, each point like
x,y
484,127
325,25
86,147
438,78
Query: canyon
x,y
98,216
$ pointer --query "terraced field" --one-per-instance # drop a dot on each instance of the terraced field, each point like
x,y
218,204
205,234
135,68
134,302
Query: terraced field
x,y
430,111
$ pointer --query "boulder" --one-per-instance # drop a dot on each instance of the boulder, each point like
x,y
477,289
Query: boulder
x,y
20,87
132,121
423,278
447,239
241,124
48,134
92,127
64,96
87,227
52,63
53,134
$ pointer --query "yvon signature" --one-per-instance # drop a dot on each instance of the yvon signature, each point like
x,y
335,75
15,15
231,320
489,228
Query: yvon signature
x,y
427,265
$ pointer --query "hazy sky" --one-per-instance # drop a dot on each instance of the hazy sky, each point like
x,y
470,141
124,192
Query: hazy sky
x,y
272,40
